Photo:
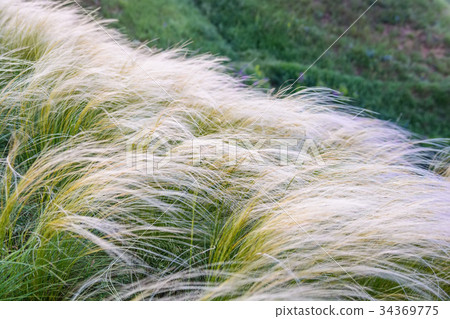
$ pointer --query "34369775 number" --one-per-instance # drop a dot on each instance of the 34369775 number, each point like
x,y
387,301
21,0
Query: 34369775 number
x,y
409,310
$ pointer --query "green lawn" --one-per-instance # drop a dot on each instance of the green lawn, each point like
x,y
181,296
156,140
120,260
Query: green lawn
x,y
395,60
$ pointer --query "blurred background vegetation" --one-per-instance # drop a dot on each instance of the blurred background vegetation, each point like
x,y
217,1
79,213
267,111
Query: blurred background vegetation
x,y
395,60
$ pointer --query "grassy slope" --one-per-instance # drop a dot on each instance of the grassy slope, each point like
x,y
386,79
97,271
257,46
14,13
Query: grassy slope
x,y
400,52
394,61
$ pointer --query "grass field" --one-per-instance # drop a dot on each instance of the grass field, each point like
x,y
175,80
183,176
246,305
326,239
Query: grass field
x,y
133,173
395,60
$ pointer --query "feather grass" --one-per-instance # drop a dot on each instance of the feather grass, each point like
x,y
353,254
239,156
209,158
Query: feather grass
x,y
364,217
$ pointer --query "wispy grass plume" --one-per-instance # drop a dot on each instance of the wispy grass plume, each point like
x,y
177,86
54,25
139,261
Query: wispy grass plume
x,y
362,213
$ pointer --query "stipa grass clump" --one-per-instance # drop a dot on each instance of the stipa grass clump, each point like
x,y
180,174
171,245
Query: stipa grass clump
x,y
363,213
